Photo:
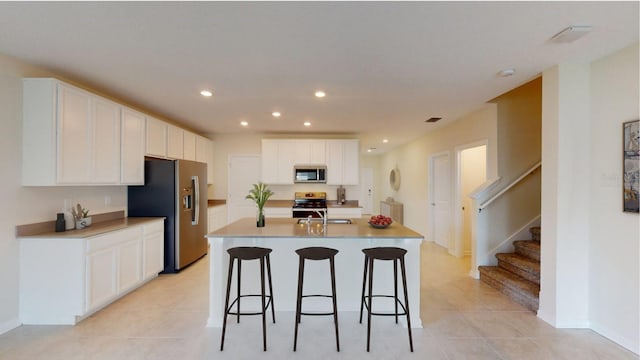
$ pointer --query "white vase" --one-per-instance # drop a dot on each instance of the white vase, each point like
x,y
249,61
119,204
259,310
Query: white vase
x,y
83,223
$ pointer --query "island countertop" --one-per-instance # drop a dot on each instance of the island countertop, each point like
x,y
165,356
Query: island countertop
x,y
287,228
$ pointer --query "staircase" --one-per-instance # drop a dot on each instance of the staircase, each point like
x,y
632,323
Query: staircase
x,y
517,274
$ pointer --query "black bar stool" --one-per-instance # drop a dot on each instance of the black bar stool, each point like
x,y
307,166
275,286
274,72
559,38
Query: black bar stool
x,y
316,253
385,253
249,253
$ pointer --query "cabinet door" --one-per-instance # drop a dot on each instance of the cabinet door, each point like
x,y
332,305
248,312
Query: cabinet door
x,y
335,151
101,278
129,261
286,161
351,163
106,142
189,146
175,142
317,152
269,161
153,250
133,147
74,140
156,138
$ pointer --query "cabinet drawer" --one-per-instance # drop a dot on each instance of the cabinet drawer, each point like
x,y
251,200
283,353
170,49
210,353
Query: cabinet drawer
x,y
154,228
105,241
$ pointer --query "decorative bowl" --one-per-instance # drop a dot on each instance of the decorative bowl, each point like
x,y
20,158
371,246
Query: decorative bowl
x,y
378,226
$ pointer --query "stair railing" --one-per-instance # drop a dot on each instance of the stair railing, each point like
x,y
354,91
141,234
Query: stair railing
x,y
512,184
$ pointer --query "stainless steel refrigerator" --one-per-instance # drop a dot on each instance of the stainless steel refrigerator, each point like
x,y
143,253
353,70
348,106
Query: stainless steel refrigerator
x,y
177,190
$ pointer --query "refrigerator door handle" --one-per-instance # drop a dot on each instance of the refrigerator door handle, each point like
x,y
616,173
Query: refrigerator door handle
x,y
195,213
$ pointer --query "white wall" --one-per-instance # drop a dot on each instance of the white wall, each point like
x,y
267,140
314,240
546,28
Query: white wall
x,y
24,205
590,254
614,273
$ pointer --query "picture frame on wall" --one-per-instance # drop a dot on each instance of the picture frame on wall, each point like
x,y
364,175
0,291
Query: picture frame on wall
x,y
631,166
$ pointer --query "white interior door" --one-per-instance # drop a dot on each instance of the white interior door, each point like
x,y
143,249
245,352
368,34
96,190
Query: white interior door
x,y
473,173
244,171
441,200
366,190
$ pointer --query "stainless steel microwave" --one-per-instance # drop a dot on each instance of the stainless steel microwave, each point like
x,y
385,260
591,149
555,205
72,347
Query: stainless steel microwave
x,y
310,174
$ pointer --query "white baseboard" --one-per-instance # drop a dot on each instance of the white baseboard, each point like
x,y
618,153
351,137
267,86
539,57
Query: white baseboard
x,y
474,274
627,343
9,325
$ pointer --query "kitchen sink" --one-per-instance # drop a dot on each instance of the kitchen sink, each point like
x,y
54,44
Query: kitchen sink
x,y
329,221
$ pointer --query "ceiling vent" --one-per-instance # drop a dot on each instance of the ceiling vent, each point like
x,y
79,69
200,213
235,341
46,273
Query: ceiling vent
x,y
571,33
433,119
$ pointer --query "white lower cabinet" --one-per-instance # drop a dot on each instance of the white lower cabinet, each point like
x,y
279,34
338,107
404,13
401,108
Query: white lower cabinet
x,y
278,212
217,217
63,280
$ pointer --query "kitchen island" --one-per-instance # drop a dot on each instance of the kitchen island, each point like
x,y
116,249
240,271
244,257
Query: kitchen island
x,y
284,236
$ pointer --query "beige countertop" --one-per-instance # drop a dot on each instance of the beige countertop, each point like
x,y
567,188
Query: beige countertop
x,y
286,228
216,202
96,228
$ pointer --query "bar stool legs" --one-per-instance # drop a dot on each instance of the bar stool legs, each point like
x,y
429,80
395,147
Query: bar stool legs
x,y
316,253
384,253
249,253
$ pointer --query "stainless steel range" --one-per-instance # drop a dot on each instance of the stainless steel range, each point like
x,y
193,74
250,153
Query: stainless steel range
x,y
312,204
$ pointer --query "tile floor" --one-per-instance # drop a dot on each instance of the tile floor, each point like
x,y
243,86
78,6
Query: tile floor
x,y
165,319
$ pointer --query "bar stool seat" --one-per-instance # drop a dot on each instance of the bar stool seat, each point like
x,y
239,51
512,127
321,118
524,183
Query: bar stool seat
x,y
316,253
249,253
385,254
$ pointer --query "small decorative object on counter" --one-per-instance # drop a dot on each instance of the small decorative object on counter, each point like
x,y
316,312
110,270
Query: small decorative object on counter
x,y
259,194
61,224
80,215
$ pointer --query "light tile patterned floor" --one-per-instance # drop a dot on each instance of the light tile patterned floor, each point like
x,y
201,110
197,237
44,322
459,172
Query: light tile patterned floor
x,y
165,319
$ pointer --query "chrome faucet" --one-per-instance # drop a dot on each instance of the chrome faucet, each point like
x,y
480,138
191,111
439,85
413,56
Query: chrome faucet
x,y
323,215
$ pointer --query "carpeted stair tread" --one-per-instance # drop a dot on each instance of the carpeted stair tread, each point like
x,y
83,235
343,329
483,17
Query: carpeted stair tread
x,y
517,288
528,248
520,265
535,233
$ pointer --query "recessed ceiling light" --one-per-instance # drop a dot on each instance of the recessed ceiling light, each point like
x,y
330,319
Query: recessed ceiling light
x,y
307,123
320,94
571,33
206,93
276,114
244,123
506,72
371,149
385,140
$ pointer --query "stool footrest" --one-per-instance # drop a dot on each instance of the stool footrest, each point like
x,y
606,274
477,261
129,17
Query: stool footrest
x,y
317,314
266,306
366,304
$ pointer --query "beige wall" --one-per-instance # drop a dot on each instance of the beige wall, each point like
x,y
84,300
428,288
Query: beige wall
x,y
23,205
412,160
519,129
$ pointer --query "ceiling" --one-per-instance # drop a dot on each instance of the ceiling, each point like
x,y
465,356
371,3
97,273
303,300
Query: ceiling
x,y
386,67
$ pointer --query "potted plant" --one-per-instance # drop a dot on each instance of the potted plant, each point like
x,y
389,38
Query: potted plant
x,y
81,216
259,194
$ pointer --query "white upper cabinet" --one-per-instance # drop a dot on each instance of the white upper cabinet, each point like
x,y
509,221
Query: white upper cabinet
x,y
189,146
156,138
133,147
310,152
175,142
70,136
343,165
204,153
106,142
74,136
278,158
